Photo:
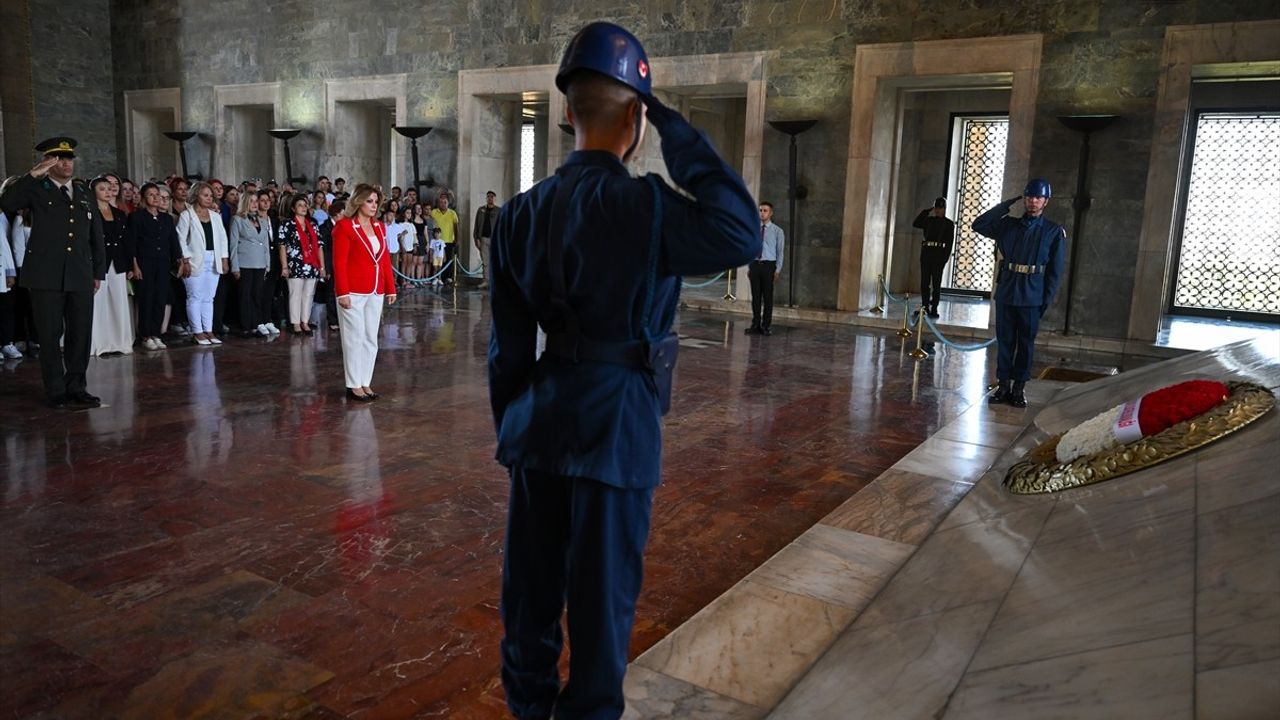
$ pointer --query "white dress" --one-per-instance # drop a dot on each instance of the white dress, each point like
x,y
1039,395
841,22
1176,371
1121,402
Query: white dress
x,y
112,320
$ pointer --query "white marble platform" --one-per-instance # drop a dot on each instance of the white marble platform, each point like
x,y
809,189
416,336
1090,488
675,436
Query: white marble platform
x,y
934,593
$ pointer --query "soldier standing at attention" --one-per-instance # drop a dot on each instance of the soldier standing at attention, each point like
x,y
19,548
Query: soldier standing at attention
x,y
594,257
65,264
935,251
1029,266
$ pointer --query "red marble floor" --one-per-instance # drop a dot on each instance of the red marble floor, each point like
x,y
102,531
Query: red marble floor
x,y
230,538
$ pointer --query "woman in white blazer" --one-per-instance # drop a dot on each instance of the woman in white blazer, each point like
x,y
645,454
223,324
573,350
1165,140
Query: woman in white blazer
x,y
204,245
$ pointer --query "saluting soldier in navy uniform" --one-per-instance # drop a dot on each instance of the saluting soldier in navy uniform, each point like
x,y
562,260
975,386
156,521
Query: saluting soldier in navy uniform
x,y
1028,268
594,257
935,251
65,264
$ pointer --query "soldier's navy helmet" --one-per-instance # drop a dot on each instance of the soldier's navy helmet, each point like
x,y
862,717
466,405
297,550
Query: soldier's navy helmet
x,y
610,50
1037,187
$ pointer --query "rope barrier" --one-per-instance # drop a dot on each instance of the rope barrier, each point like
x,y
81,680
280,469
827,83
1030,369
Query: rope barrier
x,y
943,338
423,281
468,273
703,284
889,294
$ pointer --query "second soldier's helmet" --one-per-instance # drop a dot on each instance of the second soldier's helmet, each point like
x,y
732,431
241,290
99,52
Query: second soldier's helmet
x,y
609,50
1037,187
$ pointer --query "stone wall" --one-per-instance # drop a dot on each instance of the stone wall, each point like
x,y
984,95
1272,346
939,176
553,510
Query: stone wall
x,y
71,80
1100,56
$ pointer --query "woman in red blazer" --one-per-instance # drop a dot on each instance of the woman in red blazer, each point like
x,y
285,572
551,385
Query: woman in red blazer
x,y
361,280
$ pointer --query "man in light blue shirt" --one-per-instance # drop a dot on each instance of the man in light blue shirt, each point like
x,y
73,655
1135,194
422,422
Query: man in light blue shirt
x,y
763,272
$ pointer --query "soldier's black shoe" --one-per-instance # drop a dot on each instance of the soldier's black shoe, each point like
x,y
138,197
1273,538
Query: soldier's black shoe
x,y
933,313
83,399
58,402
753,330
1001,395
1016,396
765,331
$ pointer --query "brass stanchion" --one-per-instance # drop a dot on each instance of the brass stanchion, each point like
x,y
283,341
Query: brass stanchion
x,y
879,308
728,290
919,353
905,330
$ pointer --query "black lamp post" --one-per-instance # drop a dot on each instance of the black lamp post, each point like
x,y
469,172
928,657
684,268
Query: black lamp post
x,y
413,132
286,134
794,192
1086,125
181,137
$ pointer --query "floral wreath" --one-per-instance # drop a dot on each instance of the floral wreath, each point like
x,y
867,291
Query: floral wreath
x,y
1139,433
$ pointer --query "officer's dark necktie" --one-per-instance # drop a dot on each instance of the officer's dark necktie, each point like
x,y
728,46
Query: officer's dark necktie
x,y
761,255
66,190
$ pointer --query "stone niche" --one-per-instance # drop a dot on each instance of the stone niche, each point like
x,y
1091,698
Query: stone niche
x,y
1191,52
723,94
925,154
883,75
361,144
148,115
243,115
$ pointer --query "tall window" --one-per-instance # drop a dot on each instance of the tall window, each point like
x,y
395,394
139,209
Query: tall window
x,y
977,176
1229,254
526,156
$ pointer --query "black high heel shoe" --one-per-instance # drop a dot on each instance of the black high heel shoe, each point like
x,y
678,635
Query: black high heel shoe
x,y
372,394
358,398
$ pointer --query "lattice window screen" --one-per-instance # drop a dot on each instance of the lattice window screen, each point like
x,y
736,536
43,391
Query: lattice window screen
x,y
1229,259
977,183
526,156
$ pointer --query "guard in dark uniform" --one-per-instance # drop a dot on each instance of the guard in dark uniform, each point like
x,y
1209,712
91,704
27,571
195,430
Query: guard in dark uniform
x,y
65,264
1029,267
935,251
594,257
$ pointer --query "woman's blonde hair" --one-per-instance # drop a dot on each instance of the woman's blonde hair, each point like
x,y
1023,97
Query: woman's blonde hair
x,y
362,193
244,210
193,195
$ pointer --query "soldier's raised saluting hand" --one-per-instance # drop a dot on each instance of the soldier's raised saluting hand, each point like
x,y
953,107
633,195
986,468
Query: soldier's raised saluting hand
x,y
42,168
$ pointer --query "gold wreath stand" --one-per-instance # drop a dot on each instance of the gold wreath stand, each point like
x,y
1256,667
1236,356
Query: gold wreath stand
x,y
1040,471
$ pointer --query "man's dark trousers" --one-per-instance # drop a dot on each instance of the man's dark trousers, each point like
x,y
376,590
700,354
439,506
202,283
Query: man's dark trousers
x,y
582,542
760,273
931,281
51,309
1016,329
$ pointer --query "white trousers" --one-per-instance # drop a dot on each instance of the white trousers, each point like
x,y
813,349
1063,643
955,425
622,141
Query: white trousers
x,y
359,328
200,291
301,293
112,323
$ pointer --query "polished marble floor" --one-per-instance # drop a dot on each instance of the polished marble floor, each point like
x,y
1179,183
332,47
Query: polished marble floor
x,y
228,537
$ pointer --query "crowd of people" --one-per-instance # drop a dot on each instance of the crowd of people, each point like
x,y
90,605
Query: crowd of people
x,y
194,262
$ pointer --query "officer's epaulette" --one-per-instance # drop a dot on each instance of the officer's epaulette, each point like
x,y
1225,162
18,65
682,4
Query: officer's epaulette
x,y
47,184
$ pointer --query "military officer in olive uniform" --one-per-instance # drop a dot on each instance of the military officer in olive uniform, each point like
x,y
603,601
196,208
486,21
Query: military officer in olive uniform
x,y
65,264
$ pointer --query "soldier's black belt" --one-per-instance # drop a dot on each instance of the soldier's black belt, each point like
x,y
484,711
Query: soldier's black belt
x,y
1024,269
934,244
632,354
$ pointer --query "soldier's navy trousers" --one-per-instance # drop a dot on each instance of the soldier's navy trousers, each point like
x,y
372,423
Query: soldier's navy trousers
x,y
580,542
1016,328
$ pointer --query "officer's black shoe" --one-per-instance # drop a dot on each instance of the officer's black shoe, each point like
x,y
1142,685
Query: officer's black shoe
x,y
1016,396
83,399
753,330
933,313
765,331
1001,395
58,402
